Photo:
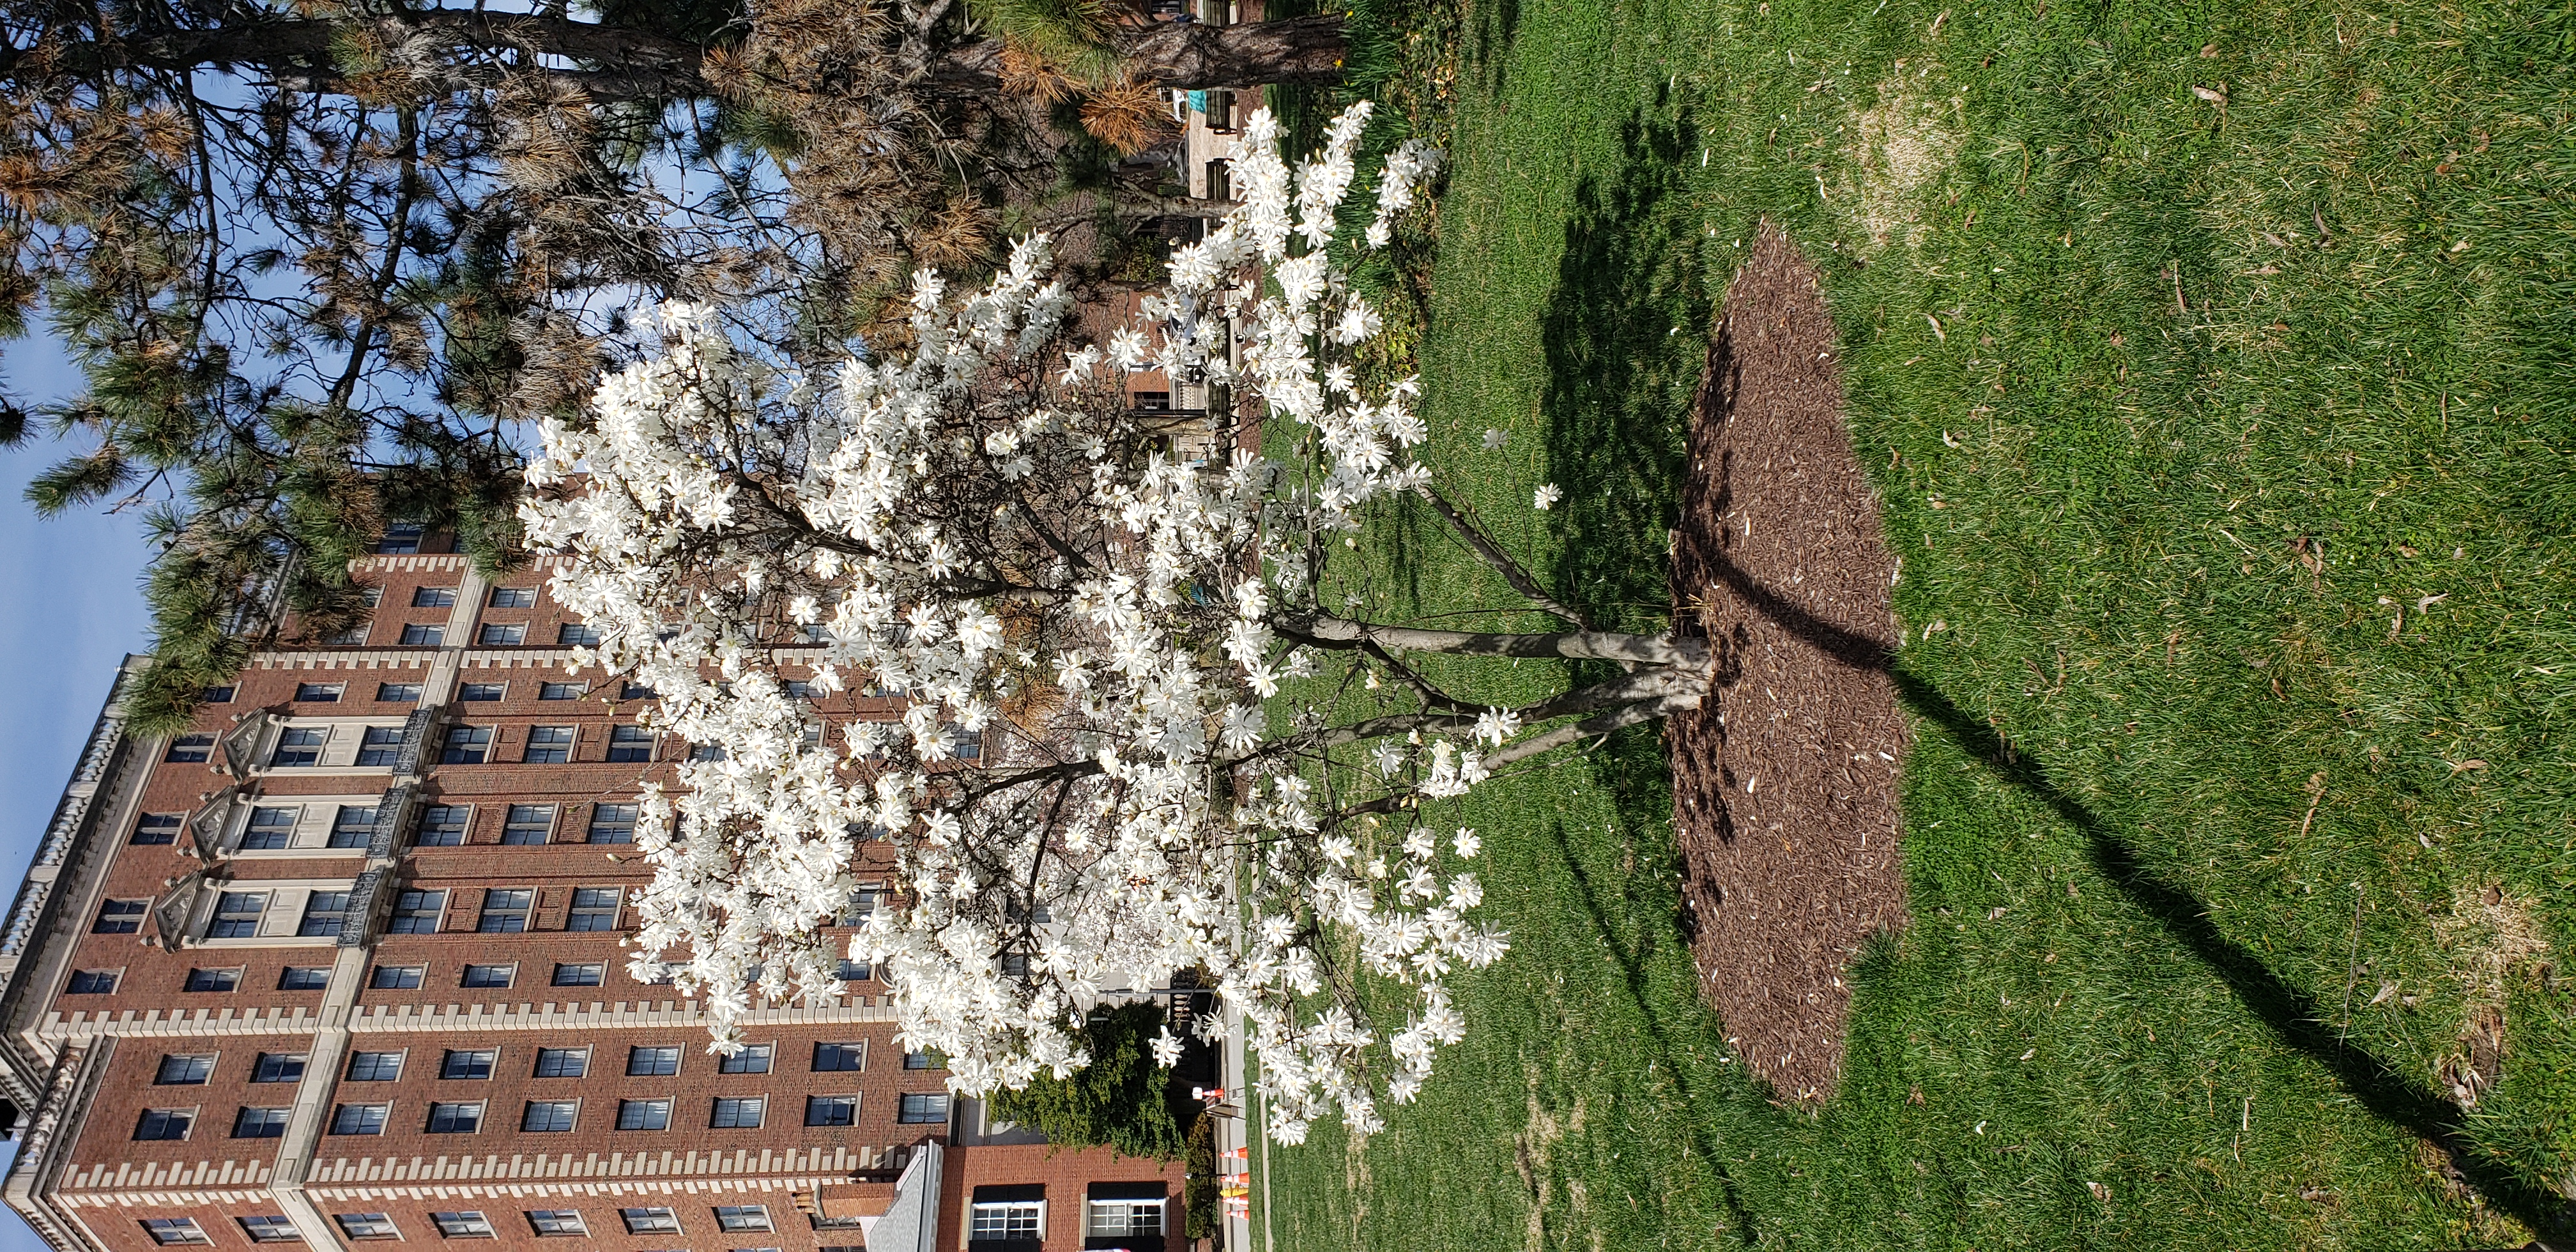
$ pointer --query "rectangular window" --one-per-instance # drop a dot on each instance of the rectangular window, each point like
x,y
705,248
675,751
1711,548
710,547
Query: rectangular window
x,y
752,1059
653,1221
548,1116
269,828
270,1229
863,905
366,1225
625,743
278,1067
359,1119
424,635
467,1225
443,826
158,827
318,693
576,635
502,634
612,823
966,745
251,1123
466,745
579,975
1115,1219
490,975
557,1222
505,912
482,693
840,1056
353,635
703,752
165,1123
742,1113
179,1070
923,1108
304,978
298,746
213,979
637,691
593,908
190,749
514,597
454,1118
643,1115
562,691
528,823
562,1062
853,971
400,539
324,913
737,1218
548,745
832,1110
1013,1219
398,693
397,977
467,1063
375,1066
216,695
433,597
799,689
382,744
417,912
237,914
91,982
352,826
169,1231
653,1061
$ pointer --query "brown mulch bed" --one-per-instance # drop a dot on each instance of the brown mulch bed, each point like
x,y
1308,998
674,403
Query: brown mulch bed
x,y
1784,784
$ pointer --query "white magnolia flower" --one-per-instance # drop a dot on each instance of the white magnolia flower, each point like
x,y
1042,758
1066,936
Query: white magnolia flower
x,y
1546,496
1494,439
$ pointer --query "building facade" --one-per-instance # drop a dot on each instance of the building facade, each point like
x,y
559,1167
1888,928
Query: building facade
x,y
342,966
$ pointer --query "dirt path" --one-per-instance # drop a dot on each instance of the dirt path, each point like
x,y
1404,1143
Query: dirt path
x,y
1784,786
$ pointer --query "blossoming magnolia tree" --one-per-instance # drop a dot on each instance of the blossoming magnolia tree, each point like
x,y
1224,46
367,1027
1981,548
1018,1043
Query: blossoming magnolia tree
x,y
979,522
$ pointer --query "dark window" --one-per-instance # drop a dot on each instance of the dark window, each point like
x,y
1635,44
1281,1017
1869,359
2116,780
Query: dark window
x,y
304,978
454,1119
158,827
853,971
366,1225
375,1066
398,693
644,1115
548,745
653,1221
237,914
923,1107
217,695
837,1110
505,912
317,693
968,745
433,597
423,634
514,597
840,1056
396,977
382,744
179,1070
467,1063
482,693
299,745
736,1218
174,1230
278,1067
467,1225
548,1116
443,825
576,635
923,1060
562,691
593,908
562,1062
612,823
557,1222
490,975
417,912
583,975
359,1119
324,913
213,979
400,539
188,749
165,1123
352,826
629,743
466,745
270,1229
353,635
653,1061
502,634
738,1113
799,689
637,691
269,828
863,904
251,1123
528,823
753,1058
92,982
701,752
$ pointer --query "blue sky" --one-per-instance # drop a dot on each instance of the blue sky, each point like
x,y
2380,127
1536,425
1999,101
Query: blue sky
x,y
70,608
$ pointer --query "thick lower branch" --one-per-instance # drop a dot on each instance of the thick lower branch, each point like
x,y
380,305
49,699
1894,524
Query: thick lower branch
x,y
1501,561
1324,631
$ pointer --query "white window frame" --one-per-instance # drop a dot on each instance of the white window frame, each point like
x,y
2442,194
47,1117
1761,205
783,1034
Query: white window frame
x,y
1005,1213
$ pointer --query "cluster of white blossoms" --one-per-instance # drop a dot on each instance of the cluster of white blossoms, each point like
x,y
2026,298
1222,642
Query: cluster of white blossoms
x,y
1082,794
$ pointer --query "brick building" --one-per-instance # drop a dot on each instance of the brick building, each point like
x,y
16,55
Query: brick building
x,y
342,966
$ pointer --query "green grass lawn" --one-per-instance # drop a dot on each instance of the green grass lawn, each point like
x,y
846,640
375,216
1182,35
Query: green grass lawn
x,y
2213,363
